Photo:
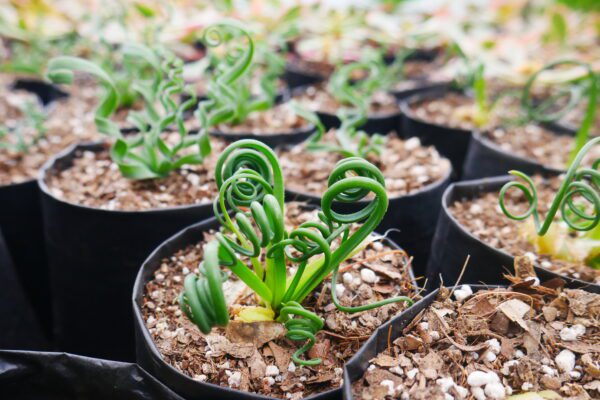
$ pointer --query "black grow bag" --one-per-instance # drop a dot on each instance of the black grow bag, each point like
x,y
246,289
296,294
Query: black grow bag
x,y
271,140
19,328
485,158
59,376
452,143
296,77
412,217
149,358
357,366
418,86
452,243
382,123
93,256
22,224
46,92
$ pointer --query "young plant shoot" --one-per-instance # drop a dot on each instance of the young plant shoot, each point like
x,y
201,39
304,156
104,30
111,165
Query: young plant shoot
x,y
577,238
254,244
233,71
147,154
351,142
580,85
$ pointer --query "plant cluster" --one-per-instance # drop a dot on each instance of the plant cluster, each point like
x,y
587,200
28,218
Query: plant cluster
x,y
233,71
254,244
577,199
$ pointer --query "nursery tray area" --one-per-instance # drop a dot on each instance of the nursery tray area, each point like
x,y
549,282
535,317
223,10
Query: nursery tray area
x,y
180,182
491,344
261,363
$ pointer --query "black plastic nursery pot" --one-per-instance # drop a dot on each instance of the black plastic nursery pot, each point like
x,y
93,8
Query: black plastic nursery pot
x,y
148,356
417,87
46,92
485,159
94,255
452,243
385,334
22,225
19,328
411,218
452,143
60,376
296,77
383,123
271,139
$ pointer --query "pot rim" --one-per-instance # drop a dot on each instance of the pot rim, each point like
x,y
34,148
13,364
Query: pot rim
x,y
95,146
427,94
479,137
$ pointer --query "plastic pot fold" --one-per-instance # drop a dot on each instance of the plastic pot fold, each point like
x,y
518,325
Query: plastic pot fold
x,y
60,376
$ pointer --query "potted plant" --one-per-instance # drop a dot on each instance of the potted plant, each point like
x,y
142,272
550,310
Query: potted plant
x,y
100,200
415,175
259,286
362,85
527,341
527,141
564,245
254,115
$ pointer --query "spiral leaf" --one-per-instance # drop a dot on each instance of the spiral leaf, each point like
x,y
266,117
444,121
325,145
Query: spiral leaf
x,y
574,93
584,183
301,325
202,300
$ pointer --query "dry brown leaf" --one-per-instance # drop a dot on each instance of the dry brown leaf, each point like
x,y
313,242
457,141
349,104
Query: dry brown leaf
x,y
257,333
281,355
257,365
383,360
515,310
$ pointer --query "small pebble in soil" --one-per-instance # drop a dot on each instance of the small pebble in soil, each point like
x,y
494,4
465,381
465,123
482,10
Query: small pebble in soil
x,y
565,360
462,293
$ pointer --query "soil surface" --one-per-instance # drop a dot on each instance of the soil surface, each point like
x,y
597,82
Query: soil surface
x,y
262,363
451,109
95,181
418,73
493,344
66,122
483,218
280,119
317,98
406,165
